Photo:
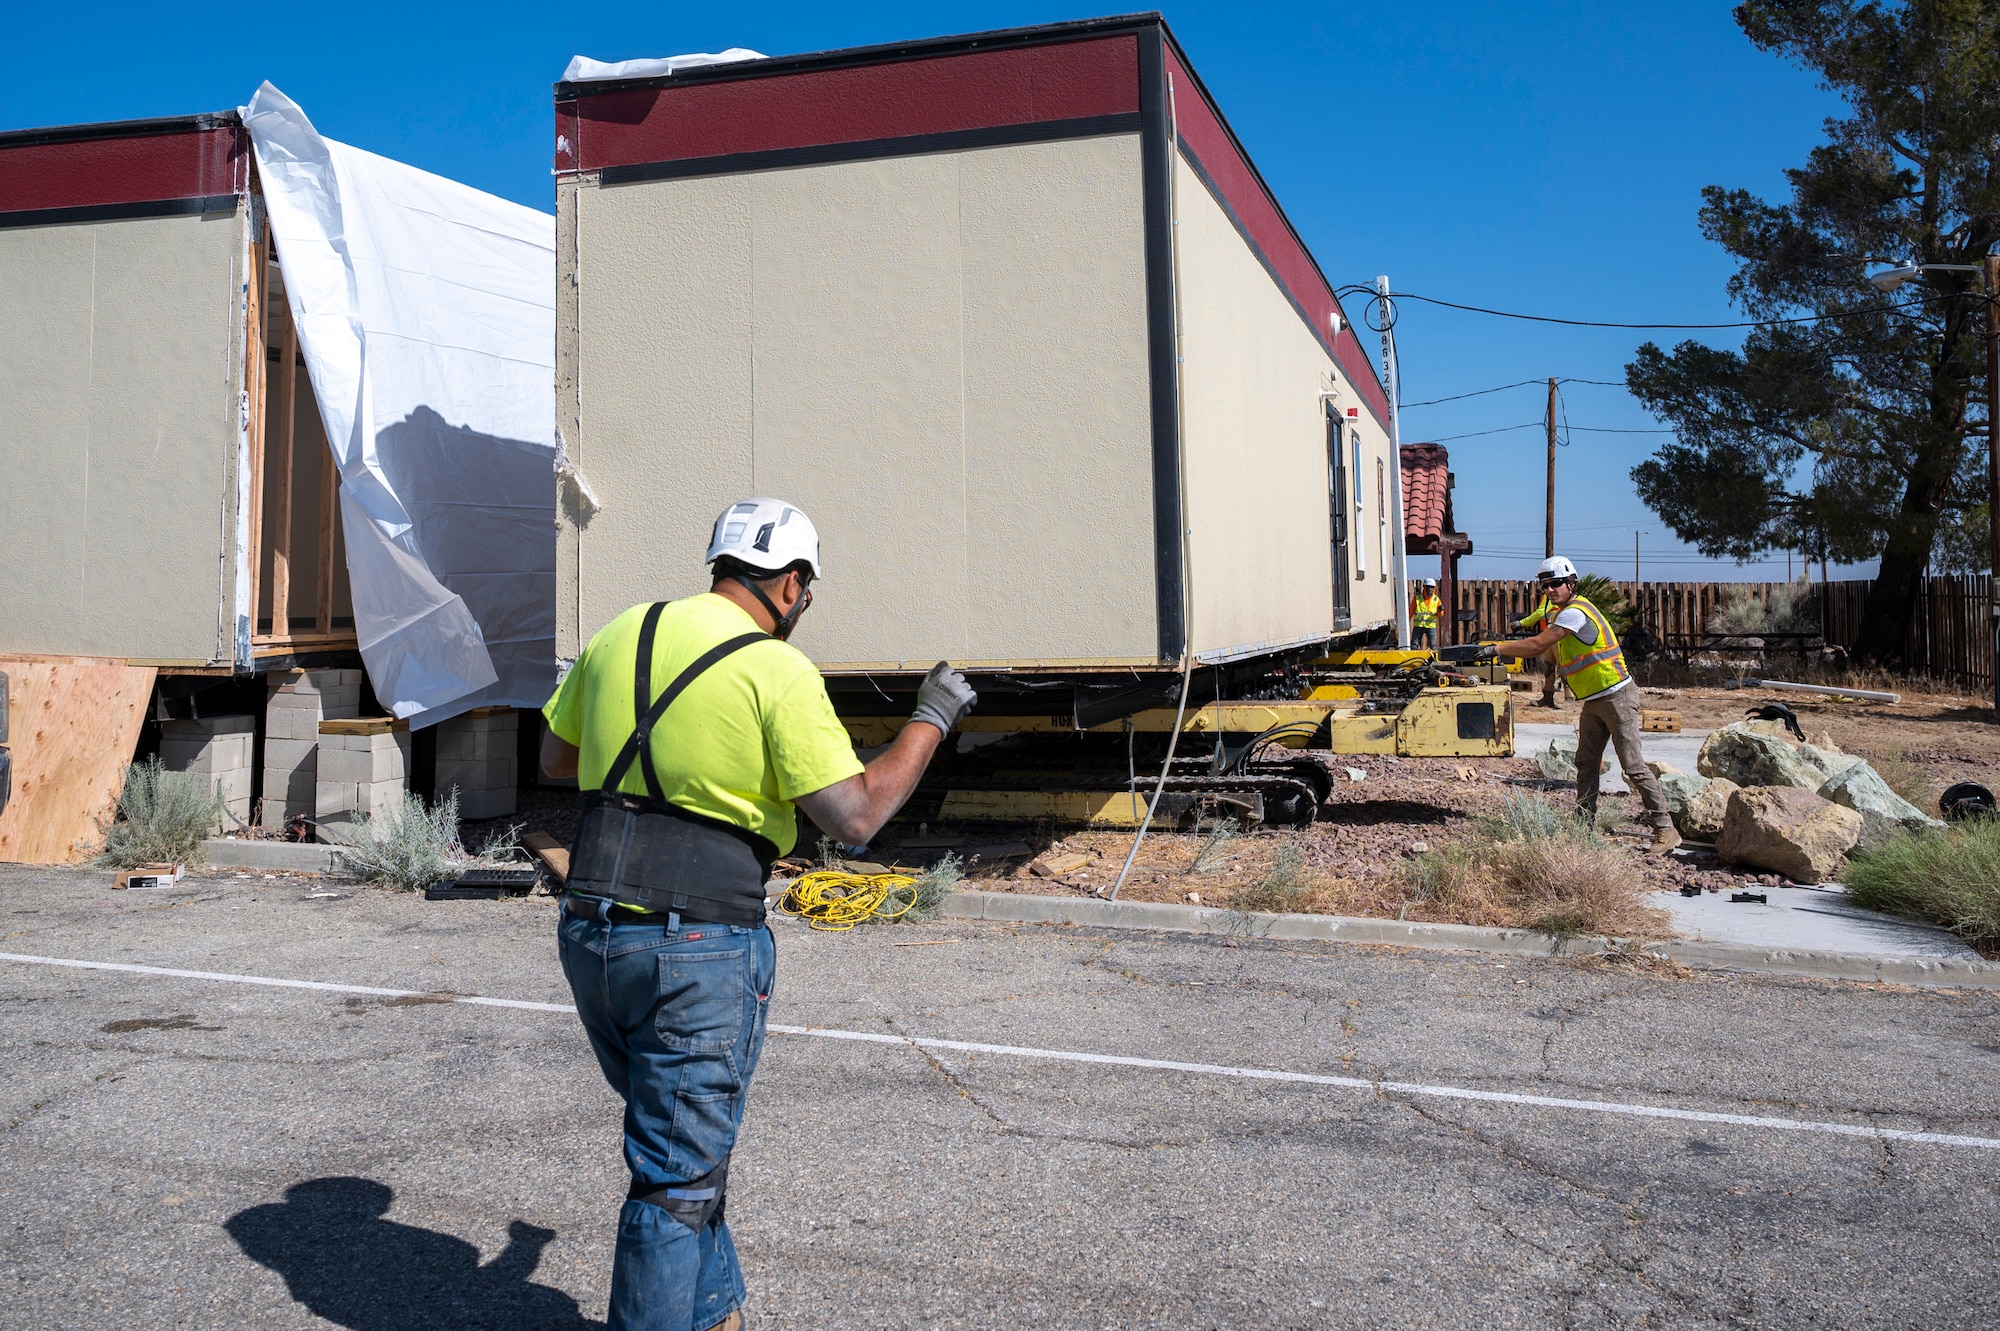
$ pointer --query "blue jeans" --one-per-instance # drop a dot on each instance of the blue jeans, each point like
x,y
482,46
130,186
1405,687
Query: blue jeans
x,y
676,1019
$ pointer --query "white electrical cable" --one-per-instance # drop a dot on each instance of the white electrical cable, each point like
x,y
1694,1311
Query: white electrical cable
x,y
1187,669
1187,554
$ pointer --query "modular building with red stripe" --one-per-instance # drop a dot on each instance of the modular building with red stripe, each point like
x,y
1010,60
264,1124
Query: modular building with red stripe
x,y
142,320
1012,316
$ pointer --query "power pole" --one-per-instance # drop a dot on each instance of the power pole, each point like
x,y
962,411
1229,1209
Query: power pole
x,y
1398,541
1993,467
1549,539
1549,542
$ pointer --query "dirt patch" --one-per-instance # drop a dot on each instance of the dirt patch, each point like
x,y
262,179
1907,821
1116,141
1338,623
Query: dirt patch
x,y
1353,860
180,1021
405,1000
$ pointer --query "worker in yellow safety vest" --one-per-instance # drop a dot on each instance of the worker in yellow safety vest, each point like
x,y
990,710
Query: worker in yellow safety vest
x,y
1424,616
1590,661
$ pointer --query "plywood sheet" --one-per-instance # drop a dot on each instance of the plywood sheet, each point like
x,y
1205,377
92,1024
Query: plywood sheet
x,y
74,725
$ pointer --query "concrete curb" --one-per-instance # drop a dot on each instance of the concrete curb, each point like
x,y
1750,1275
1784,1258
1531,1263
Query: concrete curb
x,y
1027,909
272,856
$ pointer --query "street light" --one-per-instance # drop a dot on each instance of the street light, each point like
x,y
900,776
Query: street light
x,y
1888,280
1891,278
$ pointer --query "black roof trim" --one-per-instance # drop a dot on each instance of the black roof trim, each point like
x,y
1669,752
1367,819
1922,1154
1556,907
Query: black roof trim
x,y
888,53
119,129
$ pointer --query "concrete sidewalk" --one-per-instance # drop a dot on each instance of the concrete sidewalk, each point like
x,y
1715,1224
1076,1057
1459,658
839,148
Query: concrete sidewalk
x,y
1818,918
1532,737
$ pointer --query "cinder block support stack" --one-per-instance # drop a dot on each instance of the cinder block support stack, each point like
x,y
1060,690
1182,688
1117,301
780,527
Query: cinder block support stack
x,y
364,770
219,749
477,754
299,701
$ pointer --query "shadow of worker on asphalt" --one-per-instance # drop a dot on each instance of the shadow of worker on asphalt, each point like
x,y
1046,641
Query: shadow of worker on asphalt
x,y
347,1264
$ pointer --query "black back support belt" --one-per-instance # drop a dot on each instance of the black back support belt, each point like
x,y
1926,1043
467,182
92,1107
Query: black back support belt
x,y
646,852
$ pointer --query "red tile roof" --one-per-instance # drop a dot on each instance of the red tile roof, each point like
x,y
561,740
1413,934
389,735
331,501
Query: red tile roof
x,y
1426,496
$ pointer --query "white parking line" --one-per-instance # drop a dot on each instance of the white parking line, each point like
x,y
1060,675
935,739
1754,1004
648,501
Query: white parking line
x,y
1114,1060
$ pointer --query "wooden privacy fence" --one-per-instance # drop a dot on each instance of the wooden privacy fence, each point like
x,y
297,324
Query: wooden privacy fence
x,y
1674,611
1949,635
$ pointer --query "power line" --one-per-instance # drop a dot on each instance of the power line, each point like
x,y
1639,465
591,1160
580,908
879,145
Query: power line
x,y
1531,425
1481,392
1600,323
1540,425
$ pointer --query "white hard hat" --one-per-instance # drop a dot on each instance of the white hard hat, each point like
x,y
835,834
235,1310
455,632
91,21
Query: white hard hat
x,y
768,535
1555,569
1430,582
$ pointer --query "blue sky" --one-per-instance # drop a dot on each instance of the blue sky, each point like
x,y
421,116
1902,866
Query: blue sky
x,y
1537,157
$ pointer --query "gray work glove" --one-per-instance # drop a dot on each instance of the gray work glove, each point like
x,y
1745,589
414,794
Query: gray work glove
x,y
944,698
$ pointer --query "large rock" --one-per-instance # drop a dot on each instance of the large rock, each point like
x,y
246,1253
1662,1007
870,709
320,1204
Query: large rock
x,y
1680,788
1788,830
1748,754
1702,819
1558,761
1884,813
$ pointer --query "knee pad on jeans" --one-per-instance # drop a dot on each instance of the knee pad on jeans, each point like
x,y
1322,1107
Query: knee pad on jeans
x,y
694,1203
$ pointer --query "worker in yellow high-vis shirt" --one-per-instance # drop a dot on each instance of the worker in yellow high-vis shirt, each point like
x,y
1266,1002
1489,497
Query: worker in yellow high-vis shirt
x,y
696,731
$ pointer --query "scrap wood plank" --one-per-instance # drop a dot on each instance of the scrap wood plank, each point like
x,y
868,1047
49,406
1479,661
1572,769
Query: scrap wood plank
x,y
553,854
75,724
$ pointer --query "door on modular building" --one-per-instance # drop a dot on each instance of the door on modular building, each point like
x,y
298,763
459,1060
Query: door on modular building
x,y
1338,478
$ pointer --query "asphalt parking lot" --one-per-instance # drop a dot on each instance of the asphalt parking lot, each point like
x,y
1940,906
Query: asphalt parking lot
x,y
185,1152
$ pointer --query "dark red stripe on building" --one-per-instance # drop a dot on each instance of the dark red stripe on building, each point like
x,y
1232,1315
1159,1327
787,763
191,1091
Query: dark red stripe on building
x,y
934,96
65,172
1263,224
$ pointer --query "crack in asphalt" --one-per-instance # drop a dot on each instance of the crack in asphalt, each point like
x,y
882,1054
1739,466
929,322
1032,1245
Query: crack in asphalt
x,y
35,1109
1500,1149
1002,1127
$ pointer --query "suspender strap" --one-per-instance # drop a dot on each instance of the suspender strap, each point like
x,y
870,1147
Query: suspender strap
x,y
649,710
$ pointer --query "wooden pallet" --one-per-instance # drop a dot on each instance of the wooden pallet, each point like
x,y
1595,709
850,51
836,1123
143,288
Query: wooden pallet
x,y
1654,719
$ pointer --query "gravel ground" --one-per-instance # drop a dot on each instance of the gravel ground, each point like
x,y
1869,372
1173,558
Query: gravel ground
x,y
1353,855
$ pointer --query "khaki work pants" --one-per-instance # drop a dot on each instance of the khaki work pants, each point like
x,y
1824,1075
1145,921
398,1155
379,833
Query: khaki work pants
x,y
1615,717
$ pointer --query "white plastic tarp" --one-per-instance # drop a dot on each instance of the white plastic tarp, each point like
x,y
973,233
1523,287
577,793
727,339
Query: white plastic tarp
x,y
426,315
582,69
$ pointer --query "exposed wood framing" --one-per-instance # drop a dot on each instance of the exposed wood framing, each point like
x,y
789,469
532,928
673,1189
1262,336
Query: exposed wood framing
x,y
272,455
281,477
302,642
255,376
329,493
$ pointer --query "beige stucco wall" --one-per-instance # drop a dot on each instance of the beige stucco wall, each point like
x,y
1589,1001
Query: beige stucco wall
x,y
942,359
1254,436
119,378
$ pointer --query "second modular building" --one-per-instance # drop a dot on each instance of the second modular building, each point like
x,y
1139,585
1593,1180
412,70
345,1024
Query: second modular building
x,y
1012,316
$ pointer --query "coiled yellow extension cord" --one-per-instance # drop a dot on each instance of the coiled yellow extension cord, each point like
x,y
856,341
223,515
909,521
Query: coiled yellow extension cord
x,y
833,900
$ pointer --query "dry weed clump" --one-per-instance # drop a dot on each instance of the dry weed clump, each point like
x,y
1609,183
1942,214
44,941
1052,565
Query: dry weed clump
x,y
162,817
1909,779
1533,866
1284,890
1950,875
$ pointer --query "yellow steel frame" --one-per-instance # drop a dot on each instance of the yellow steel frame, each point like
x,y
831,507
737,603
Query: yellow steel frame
x,y
1427,727
1388,658
1094,807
